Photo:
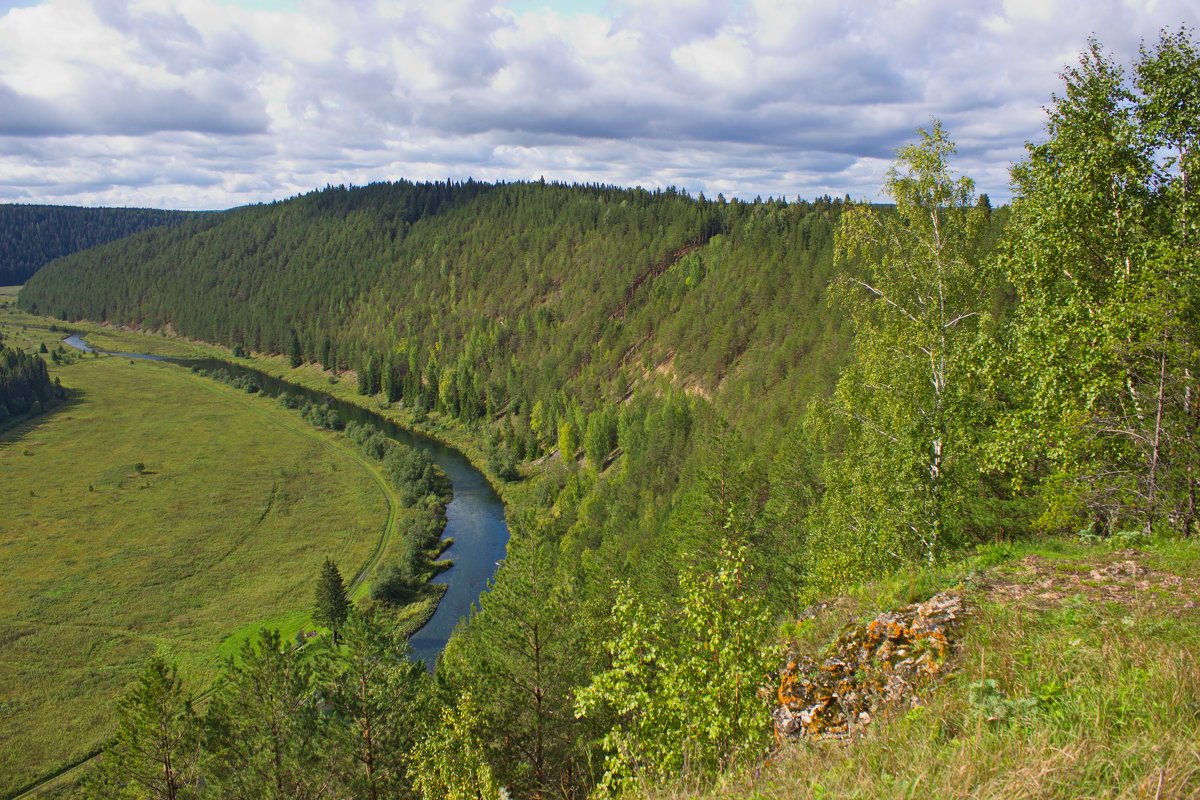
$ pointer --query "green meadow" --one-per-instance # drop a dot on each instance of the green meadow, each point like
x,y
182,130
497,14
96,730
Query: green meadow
x,y
155,511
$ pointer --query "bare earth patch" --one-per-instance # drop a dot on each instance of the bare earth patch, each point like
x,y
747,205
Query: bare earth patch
x,y
1120,577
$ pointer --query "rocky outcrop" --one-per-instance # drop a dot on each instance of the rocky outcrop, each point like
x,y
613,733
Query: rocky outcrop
x,y
876,666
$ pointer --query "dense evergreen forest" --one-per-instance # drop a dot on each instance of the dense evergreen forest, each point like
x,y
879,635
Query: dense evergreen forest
x,y
25,385
720,410
31,236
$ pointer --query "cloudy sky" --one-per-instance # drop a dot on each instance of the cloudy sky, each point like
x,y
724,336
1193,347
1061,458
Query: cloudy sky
x,y
215,103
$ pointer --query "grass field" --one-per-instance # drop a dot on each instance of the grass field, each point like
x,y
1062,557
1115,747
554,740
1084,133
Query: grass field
x,y
222,528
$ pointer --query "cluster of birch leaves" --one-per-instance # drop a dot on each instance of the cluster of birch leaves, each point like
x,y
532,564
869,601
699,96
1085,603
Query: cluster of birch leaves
x,y
1056,378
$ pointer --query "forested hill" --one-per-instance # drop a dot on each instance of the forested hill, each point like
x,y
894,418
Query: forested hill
x,y
642,359
32,235
480,298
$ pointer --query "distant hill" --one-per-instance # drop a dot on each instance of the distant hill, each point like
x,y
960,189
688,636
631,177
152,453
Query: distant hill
x,y
480,296
31,236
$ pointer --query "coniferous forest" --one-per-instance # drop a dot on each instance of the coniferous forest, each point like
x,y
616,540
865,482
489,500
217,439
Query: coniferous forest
x,y
25,385
31,236
711,413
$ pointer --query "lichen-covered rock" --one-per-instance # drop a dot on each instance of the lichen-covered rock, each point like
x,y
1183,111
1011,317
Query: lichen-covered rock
x,y
872,667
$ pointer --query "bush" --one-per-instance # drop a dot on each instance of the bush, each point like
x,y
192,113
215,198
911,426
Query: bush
x,y
394,586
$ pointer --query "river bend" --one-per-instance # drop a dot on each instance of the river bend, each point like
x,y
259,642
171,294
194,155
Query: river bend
x,y
474,518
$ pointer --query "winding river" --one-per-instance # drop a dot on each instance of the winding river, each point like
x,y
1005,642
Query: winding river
x,y
474,518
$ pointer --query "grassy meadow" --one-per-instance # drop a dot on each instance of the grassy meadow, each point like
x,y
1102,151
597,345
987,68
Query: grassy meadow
x,y
155,511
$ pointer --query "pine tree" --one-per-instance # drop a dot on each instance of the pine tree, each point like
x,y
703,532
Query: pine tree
x,y
265,734
521,657
156,749
332,606
295,351
377,696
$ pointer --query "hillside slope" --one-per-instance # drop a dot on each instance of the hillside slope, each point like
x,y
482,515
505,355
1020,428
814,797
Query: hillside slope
x,y
31,236
1077,675
629,366
478,298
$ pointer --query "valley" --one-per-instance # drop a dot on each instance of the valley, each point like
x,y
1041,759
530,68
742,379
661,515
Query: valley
x,y
776,498
157,512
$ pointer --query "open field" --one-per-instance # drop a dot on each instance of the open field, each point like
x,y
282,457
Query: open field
x,y
224,526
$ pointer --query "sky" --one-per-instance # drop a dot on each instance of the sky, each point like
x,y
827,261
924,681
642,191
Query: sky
x,y
201,104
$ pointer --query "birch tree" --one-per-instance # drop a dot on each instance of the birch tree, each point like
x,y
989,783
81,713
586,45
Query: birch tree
x,y
1101,251
899,429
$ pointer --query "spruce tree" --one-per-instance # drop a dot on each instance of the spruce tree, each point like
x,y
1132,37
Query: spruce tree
x,y
332,607
295,351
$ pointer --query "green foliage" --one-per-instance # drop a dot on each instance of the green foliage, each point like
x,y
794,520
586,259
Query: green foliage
x,y
684,685
295,351
987,699
568,442
524,651
601,436
1050,698
31,236
265,735
331,606
676,341
361,279
377,706
396,584
155,752
1100,358
449,763
410,470
900,429
24,383
342,721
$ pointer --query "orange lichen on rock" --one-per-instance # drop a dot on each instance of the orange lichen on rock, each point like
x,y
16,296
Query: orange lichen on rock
x,y
871,667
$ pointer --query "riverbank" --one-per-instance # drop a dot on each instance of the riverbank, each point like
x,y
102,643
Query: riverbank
x,y
475,517
343,386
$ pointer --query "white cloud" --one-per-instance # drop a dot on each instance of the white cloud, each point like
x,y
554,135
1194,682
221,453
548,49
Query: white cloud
x,y
201,104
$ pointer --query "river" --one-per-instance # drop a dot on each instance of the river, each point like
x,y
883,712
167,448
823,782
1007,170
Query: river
x,y
474,517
